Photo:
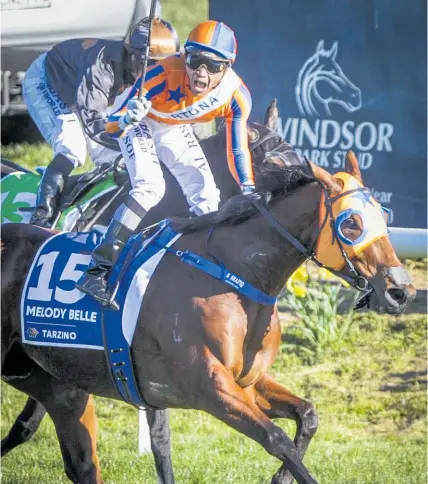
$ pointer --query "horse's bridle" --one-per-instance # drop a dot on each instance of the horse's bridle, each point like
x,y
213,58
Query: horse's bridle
x,y
355,279
264,138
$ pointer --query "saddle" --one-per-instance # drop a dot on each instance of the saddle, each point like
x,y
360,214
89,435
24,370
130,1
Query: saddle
x,y
78,185
74,319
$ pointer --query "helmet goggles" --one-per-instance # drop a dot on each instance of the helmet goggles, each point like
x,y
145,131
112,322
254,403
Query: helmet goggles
x,y
214,66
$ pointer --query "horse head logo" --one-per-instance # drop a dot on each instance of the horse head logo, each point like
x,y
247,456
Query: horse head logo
x,y
321,81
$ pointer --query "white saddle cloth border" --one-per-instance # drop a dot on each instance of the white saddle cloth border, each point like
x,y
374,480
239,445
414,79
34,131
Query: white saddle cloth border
x,y
137,290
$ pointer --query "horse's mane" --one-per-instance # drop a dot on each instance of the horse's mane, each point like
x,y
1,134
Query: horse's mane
x,y
271,185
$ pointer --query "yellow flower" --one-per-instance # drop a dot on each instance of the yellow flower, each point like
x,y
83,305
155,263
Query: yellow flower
x,y
326,275
289,285
300,291
301,274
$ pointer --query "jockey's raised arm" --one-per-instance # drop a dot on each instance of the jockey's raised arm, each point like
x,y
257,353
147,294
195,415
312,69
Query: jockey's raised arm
x,y
163,78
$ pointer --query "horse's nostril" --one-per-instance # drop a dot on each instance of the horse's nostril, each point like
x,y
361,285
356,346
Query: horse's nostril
x,y
398,295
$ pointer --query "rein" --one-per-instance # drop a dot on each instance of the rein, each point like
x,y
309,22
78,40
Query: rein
x,y
357,281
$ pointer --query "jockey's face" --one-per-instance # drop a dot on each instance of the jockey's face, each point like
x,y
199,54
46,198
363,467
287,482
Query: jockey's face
x,y
204,73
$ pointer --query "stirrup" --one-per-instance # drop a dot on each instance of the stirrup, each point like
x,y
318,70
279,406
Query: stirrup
x,y
41,219
98,291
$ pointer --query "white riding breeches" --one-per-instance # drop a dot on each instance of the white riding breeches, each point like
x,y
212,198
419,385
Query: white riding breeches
x,y
177,147
57,122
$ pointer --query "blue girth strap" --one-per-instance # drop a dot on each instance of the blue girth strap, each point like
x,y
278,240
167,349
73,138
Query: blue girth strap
x,y
116,347
222,274
118,354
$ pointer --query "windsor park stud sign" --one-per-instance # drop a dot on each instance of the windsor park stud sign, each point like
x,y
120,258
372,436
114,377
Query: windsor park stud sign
x,y
347,75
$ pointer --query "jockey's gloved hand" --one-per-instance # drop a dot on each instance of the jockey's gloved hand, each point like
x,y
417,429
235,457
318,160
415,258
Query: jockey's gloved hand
x,y
136,111
247,189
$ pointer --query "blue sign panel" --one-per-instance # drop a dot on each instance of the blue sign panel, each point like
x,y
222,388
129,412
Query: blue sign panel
x,y
348,76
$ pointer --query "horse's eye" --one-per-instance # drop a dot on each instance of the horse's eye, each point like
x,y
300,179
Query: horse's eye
x,y
349,223
253,135
350,228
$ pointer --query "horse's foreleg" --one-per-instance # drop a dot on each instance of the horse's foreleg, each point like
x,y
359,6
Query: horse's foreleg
x,y
76,426
25,426
219,395
73,413
277,402
161,446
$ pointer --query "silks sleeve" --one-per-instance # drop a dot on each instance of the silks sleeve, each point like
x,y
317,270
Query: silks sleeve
x,y
238,153
154,85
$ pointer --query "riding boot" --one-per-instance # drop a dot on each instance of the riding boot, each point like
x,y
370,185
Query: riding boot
x,y
50,189
94,280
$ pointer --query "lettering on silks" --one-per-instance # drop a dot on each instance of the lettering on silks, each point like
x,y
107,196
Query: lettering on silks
x,y
197,109
53,100
189,136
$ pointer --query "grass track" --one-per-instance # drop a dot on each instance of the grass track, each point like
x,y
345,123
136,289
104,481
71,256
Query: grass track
x,y
372,409
370,396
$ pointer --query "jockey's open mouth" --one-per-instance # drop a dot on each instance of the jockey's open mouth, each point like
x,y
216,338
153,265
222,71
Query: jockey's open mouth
x,y
200,82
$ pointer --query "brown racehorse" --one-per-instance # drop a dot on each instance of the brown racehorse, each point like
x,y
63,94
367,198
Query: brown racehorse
x,y
226,342
262,140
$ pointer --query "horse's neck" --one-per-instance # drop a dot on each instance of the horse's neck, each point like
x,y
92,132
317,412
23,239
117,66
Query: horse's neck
x,y
260,254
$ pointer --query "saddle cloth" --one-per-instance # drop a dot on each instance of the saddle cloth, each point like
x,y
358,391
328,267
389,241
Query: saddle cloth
x,y
55,313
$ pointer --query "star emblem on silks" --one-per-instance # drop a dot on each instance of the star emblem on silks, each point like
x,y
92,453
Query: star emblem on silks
x,y
175,95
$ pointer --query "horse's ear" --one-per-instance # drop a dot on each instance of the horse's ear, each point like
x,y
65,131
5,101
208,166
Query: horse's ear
x,y
271,116
328,181
352,167
320,46
333,51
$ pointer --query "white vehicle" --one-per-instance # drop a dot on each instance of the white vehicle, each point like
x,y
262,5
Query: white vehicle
x,y
30,27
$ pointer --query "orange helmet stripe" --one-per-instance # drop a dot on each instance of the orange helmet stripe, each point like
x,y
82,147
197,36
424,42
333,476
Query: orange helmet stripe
x,y
203,33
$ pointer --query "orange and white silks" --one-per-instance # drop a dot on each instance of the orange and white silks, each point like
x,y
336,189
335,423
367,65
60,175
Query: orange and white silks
x,y
173,103
359,203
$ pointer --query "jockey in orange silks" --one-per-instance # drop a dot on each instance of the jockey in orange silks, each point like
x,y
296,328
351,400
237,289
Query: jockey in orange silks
x,y
197,86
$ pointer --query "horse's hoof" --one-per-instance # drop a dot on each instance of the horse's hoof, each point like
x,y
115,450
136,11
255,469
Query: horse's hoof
x,y
282,477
